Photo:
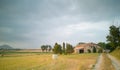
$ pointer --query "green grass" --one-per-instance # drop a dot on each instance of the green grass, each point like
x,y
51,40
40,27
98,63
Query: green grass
x,y
17,54
116,53
45,62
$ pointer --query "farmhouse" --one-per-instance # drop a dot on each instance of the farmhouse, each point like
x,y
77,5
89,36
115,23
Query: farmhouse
x,y
86,47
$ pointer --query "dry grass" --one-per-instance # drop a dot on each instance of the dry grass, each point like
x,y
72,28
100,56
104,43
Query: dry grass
x,y
116,53
30,50
45,62
106,63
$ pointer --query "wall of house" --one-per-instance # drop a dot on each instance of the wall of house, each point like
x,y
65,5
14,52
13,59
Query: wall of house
x,y
86,49
89,46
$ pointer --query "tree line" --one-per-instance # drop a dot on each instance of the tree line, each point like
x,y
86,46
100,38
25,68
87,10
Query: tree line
x,y
46,48
66,48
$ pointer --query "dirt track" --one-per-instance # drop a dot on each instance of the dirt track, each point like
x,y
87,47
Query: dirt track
x,y
97,65
115,62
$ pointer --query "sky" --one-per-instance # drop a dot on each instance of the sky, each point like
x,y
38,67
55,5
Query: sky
x,y
32,23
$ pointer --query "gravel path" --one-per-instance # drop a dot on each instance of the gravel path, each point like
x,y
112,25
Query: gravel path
x,y
115,62
97,65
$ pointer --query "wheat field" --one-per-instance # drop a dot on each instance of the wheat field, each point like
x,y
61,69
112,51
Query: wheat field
x,y
45,62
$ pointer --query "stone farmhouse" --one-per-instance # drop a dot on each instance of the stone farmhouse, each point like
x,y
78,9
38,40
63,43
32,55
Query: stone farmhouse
x,y
86,47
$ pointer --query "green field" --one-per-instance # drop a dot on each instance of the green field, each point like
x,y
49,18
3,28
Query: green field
x,y
35,61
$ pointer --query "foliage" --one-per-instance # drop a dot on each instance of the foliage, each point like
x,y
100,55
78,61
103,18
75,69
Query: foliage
x,y
108,46
102,45
2,51
114,36
81,43
57,49
49,48
43,48
69,48
46,47
63,48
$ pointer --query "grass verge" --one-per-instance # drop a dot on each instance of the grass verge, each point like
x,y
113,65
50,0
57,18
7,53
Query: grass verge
x,y
116,53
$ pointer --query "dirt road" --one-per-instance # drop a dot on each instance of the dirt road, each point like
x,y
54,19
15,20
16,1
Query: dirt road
x,y
115,62
98,63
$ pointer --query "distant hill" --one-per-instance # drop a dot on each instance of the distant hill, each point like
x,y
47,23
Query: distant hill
x,y
6,47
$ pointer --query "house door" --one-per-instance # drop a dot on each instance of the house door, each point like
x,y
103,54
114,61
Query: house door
x,y
81,51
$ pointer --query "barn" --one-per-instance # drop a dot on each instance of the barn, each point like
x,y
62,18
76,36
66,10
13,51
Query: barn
x,y
86,48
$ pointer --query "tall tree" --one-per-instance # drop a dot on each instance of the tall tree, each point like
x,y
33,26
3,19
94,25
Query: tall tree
x,y
69,48
43,48
46,47
108,46
63,48
57,49
49,48
114,36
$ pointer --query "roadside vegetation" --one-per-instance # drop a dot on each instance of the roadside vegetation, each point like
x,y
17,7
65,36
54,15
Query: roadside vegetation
x,y
116,53
114,41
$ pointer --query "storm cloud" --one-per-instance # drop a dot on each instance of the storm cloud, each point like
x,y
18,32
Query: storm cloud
x,y
31,23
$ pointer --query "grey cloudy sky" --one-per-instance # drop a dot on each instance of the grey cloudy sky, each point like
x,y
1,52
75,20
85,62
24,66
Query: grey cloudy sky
x,y
31,23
